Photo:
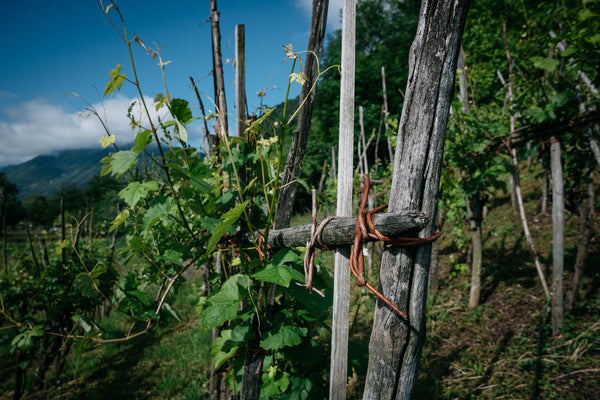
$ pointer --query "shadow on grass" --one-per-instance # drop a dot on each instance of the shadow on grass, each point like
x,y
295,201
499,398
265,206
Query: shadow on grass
x,y
429,384
510,267
116,374
489,371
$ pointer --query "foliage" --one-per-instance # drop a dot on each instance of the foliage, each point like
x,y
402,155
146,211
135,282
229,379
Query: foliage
x,y
45,307
183,210
10,208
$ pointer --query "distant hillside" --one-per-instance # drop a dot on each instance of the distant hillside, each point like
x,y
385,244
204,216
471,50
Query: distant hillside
x,y
44,175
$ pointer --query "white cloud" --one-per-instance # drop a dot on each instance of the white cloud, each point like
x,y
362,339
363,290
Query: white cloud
x,y
333,13
4,95
37,127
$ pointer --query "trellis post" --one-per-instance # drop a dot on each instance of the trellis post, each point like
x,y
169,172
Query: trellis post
x,y
341,289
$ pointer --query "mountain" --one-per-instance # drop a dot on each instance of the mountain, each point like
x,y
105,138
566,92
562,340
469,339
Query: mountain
x,y
44,175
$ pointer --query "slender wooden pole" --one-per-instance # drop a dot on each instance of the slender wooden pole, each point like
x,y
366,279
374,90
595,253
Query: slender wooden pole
x,y
293,164
341,287
63,233
218,70
515,164
385,114
558,236
240,79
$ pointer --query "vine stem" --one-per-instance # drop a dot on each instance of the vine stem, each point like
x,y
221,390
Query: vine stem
x,y
153,128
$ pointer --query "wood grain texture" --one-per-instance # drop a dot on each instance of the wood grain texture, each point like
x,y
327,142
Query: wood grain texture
x,y
394,350
338,372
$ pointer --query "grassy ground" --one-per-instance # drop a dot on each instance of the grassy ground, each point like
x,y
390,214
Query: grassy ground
x,y
504,349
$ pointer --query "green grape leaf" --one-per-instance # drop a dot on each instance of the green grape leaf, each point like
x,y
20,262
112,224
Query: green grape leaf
x,y
116,80
142,139
198,174
228,219
545,63
218,350
181,111
301,388
122,217
173,256
182,131
122,161
225,303
85,285
24,340
279,274
136,191
282,336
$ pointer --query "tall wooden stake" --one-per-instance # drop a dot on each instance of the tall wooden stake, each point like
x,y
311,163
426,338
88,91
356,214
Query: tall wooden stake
x,y
395,345
218,69
558,236
341,287
240,79
515,164
385,114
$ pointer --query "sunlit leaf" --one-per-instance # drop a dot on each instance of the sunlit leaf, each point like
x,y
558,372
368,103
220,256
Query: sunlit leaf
x,y
116,81
136,191
122,217
182,131
545,63
122,161
106,141
142,139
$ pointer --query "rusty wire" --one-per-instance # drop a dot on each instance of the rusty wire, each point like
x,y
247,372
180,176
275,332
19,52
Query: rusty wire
x,y
366,229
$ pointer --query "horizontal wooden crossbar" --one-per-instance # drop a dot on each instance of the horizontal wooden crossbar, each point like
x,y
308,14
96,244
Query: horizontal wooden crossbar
x,y
340,231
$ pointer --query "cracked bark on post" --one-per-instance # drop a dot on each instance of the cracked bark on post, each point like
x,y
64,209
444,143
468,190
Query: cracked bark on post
x,y
394,350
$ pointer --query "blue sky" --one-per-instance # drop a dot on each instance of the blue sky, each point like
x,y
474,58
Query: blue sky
x,y
51,48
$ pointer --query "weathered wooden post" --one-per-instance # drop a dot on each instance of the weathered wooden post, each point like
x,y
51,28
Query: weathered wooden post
x,y
558,235
219,81
240,79
341,287
394,348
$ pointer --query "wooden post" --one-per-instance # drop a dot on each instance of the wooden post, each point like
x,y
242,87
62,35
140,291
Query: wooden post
x,y
341,287
63,233
385,115
293,165
558,235
240,80
3,223
395,347
363,155
515,165
219,81
333,164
